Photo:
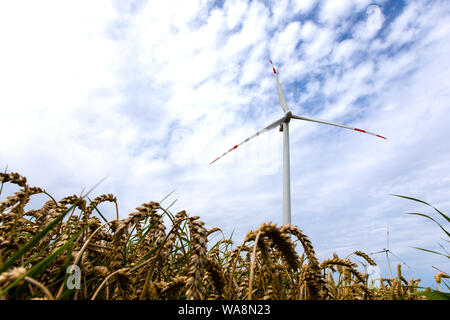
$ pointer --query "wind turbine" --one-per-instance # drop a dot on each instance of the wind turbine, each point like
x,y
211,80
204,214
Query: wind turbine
x,y
388,252
284,127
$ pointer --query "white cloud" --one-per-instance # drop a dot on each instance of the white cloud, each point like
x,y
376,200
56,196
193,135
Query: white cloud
x,y
285,42
406,26
304,6
235,10
54,54
344,50
334,11
253,67
279,9
55,62
321,45
253,30
308,30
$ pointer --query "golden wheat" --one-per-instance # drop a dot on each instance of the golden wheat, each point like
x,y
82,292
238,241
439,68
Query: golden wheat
x,y
139,257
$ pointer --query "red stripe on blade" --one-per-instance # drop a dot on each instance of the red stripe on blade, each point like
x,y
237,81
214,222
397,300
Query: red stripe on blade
x,y
274,71
360,130
381,136
214,161
233,148
271,62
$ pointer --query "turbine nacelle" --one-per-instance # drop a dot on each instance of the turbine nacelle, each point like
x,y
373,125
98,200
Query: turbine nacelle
x,y
287,118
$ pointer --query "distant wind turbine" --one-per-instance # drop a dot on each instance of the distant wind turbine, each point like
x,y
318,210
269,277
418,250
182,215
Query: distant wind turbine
x,y
284,127
388,252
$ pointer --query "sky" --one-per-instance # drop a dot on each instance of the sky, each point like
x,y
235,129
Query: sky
x,y
148,93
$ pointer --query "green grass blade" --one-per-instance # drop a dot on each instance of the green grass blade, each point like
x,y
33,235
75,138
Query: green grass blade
x,y
167,196
45,262
6,265
37,255
171,204
41,265
95,208
30,244
428,217
427,250
414,199
443,248
95,186
410,198
445,282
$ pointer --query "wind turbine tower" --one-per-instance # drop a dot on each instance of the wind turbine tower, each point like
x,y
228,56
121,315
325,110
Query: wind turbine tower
x,y
388,252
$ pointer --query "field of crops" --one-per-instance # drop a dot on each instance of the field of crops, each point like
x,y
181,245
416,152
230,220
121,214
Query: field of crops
x,y
68,250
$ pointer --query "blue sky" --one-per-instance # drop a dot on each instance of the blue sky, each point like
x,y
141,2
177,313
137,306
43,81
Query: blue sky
x,y
149,93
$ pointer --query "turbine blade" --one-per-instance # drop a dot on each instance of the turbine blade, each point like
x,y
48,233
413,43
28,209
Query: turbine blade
x,y
280,92
335,124
377,252
398,258
269,127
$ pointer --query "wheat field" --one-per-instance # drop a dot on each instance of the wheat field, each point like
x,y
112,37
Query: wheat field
x,y
139,257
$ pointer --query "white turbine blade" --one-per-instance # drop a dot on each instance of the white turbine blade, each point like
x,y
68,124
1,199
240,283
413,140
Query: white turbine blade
x,y
381,251
269,127
280,92
335,124
398,258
